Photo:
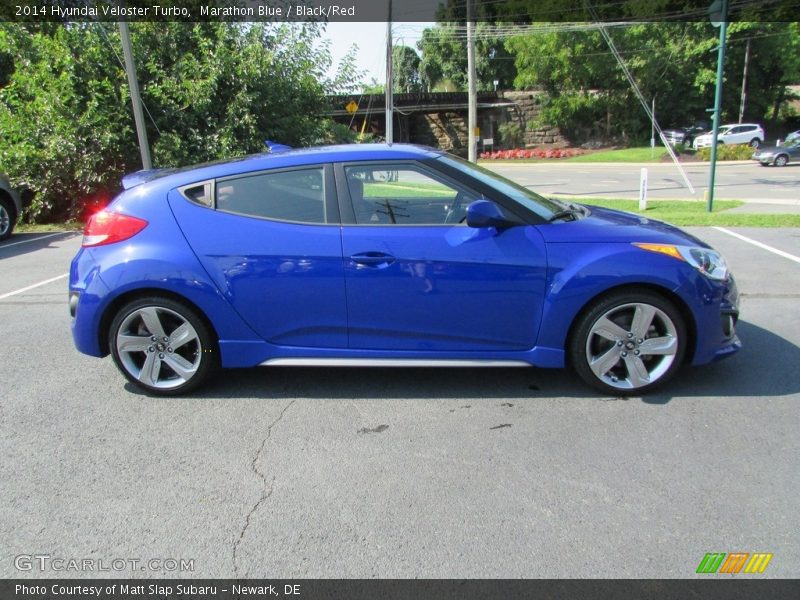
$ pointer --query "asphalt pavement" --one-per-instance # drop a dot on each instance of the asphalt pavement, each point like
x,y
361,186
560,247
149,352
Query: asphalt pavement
x,y
301,472
735,180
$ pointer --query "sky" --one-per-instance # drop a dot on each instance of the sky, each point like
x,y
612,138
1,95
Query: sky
x,y
371,41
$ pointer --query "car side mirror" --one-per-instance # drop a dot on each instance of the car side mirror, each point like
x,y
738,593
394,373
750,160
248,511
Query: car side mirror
x,y
485,213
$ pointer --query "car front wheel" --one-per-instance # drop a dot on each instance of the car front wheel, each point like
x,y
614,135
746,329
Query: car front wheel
x,y
162,346
628,342
781,161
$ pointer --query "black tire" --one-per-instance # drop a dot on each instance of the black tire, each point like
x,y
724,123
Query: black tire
x,y
781,160
141,338
755,143
8,217
611,361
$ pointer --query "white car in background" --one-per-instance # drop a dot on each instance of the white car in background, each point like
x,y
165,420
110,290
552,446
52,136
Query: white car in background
x,y
744,133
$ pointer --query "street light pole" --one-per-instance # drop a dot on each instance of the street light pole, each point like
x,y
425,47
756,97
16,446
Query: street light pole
x,y
389,80
136,100
472,111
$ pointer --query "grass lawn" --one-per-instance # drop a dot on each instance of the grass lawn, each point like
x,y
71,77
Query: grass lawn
x,y
642,154
684,213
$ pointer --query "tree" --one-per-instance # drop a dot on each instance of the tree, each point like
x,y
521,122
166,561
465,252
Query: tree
x,y
405,70
211,90
588,95
444,57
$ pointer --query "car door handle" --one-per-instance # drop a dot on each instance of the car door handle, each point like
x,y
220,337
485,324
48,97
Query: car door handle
x,y
376,260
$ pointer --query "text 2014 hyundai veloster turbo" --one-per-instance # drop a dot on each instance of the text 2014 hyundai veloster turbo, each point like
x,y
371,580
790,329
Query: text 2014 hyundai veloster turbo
x,y
387,255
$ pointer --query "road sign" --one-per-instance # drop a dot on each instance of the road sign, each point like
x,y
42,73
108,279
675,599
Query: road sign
x,y
351,107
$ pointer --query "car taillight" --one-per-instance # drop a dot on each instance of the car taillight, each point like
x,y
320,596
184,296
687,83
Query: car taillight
x,y
107,227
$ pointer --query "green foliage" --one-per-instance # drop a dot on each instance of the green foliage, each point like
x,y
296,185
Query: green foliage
x,y
444,57
212,90
673,62
405,70
727,152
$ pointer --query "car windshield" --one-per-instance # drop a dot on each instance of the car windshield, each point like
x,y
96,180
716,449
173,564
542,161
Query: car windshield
x,y
544,207
725,129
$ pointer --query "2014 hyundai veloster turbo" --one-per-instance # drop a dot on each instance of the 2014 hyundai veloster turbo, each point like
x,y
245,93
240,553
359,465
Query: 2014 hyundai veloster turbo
x,y
387,255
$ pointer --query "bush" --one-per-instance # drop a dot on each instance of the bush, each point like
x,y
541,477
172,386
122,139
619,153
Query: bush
x,y
212,90
727,152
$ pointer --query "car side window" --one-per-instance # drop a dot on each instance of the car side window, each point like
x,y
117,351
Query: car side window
x,y
404,195
297,195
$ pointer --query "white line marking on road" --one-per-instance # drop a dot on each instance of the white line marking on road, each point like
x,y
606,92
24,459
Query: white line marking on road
x,y
35,285
759,244
44,237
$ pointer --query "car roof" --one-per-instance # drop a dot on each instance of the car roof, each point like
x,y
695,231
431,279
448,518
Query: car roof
x,y
171,178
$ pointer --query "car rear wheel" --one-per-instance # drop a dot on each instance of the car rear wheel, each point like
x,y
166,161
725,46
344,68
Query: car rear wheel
x,y
7,218
162,346
781,160
755,143
628,342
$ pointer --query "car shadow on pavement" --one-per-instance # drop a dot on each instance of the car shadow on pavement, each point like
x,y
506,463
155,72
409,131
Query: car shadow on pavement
x,y
25,243
766,366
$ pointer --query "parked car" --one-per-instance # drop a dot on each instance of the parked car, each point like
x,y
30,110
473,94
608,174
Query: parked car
x,y
387,255
746,133
780,156
10,207
793,136
685,134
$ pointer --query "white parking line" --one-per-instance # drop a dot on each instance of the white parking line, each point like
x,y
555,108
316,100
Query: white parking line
x,y
44,237
759,244
35,285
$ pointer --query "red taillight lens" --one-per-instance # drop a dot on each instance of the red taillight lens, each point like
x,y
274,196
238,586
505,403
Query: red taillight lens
x,y
107,227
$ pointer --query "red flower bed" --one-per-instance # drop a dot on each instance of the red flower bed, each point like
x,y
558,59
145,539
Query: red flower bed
x,y
530,153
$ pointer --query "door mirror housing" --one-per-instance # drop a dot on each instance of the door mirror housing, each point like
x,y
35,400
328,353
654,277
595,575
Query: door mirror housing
x,y
485,213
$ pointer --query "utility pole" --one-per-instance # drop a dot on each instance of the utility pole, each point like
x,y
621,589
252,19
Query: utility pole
x,y
389,80
744,80
472,116
136,99
719,18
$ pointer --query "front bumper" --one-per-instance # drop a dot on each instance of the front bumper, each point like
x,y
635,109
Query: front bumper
x,y
716,322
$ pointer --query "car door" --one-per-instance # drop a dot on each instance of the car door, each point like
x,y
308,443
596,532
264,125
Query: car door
x,y
271,243
419,279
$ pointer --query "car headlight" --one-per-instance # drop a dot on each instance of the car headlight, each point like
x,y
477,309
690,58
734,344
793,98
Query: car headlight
x,y
709,262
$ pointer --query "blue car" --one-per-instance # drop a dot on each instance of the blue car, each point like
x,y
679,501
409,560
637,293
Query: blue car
x,y
391,256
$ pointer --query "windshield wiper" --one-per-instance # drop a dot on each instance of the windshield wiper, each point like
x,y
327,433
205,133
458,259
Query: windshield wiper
x,y
573,212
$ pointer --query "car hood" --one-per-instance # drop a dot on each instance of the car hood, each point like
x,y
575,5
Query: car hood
x,y
604,225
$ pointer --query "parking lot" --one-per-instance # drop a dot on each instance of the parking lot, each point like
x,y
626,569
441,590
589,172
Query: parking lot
x,y
440,473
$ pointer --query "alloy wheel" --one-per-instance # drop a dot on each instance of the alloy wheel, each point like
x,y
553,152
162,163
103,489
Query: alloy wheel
x,y
631,346
158,347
